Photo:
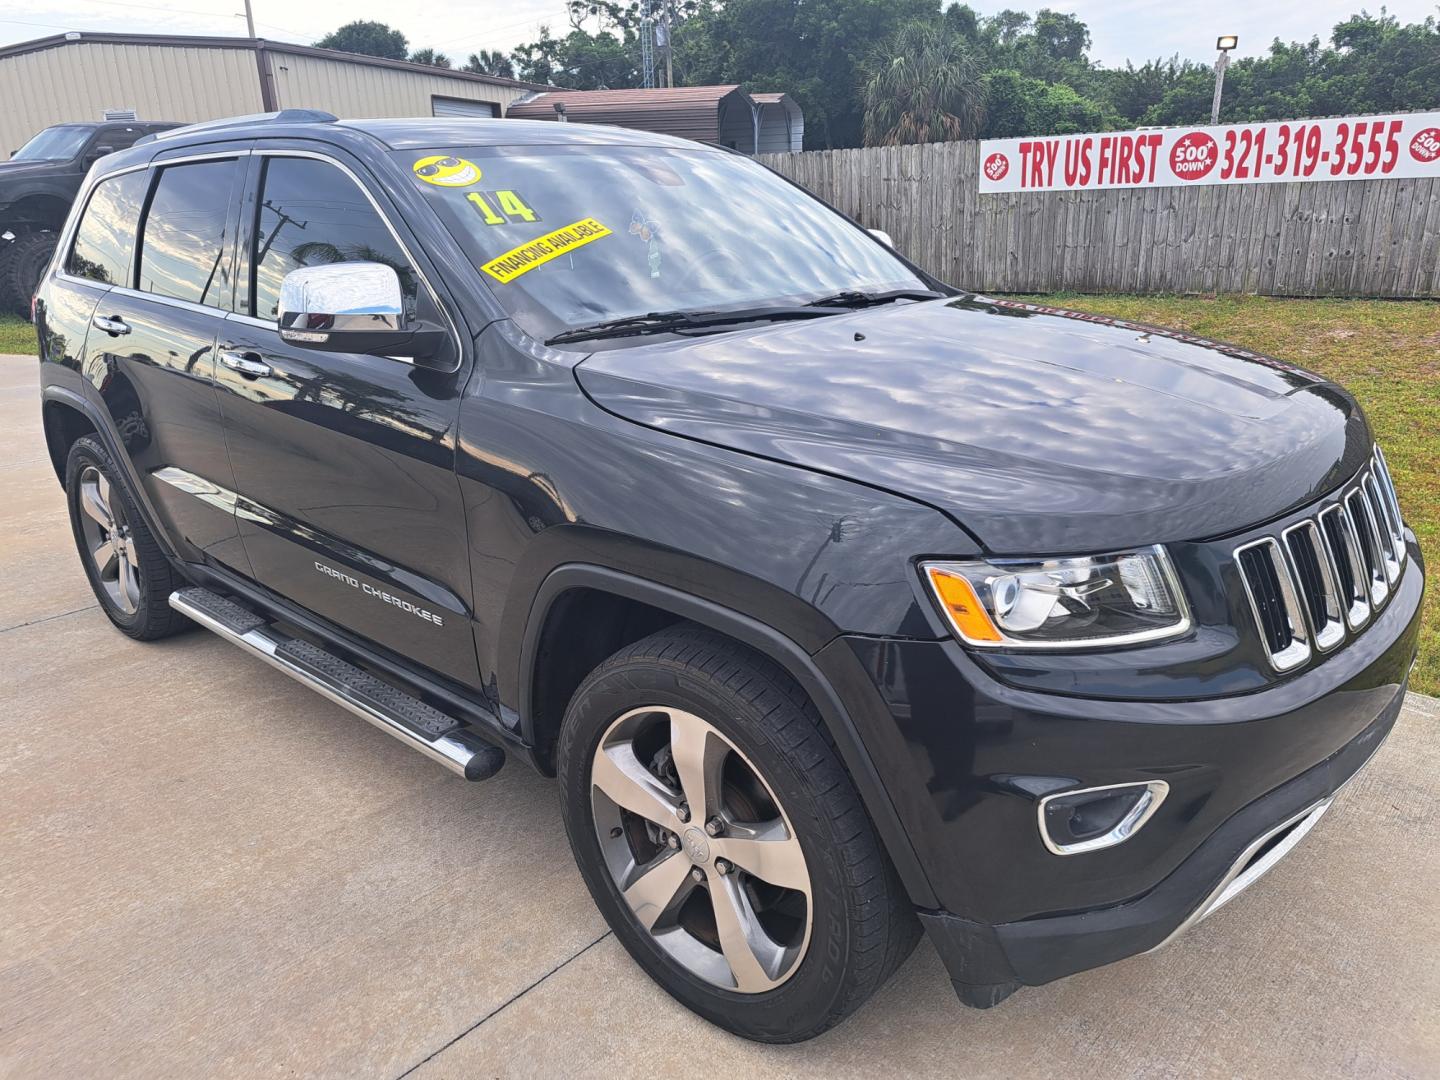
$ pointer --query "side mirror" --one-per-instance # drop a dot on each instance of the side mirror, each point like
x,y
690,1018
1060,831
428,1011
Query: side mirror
x,y
882,236
354,307
97,153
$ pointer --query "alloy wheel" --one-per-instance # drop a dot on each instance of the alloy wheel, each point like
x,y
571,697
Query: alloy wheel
x,y
109,541
700,849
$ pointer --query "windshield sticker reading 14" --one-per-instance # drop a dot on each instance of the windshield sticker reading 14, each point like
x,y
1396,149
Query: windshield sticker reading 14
x,y
503,207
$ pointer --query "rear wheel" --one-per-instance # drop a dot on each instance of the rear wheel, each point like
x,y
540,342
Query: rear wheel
x,y
22,263
127,570
723,840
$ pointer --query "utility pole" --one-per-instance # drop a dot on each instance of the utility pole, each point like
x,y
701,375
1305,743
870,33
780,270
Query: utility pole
x,y
249,20
669,45
1224,43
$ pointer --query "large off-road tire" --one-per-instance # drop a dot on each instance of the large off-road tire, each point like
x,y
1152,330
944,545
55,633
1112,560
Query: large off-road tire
x,y
723,839
22,262
127,570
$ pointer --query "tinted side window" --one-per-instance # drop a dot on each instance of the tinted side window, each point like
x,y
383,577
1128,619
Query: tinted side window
x,y
184,247
120,138
310,214
104,247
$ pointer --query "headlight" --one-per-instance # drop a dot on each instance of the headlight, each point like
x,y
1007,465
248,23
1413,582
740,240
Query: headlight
x,y
1124,598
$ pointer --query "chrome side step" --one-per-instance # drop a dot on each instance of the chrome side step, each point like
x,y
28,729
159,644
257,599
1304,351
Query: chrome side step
x,y
401,715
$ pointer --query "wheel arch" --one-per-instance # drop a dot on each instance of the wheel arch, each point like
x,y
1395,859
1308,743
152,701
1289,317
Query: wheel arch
x,y
66,417
651,604
41,210
64,423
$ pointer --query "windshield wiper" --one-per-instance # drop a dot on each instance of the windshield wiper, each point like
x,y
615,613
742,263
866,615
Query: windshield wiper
x,y
660,322
854,298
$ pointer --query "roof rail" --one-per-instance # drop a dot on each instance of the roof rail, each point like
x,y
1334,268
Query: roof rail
x,y
284,116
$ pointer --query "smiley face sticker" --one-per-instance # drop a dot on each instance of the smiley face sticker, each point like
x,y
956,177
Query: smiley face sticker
x,y
442,170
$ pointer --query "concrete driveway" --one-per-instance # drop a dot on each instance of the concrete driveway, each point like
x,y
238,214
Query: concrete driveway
x,y
206,870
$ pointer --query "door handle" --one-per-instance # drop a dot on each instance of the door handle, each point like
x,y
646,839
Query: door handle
x,y
247,364
112,326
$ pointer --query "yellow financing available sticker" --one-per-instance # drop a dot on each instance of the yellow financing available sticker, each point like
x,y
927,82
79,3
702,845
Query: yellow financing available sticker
x,y
520,260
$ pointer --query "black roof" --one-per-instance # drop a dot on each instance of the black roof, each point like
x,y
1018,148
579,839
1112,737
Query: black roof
x,y
417,133
362,136
424,132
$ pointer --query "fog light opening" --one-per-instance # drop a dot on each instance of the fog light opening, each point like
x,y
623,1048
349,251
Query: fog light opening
x,y
1091,819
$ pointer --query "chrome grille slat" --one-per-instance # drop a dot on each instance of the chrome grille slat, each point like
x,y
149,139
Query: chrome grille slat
x,y
1358,506
1266,575
1344,555
1326,572
1387,520
1392,503
1318,586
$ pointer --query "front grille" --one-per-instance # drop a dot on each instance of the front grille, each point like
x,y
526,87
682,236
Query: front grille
x,y
1326,572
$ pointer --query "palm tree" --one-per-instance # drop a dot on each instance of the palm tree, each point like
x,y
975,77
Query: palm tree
x,y
922,85
490,62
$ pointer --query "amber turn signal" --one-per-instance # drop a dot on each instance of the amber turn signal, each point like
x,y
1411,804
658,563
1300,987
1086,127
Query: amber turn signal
x,y
966,613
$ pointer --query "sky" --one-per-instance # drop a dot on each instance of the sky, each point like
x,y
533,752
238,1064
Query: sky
x,y
1136,30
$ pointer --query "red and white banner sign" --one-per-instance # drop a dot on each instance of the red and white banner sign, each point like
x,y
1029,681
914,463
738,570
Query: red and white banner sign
x,y
1279,152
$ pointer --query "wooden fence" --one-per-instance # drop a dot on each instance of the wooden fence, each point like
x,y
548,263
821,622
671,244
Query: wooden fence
x,y
1341,238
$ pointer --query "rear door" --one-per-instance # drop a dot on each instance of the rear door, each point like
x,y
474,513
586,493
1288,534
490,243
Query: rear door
x,y
345,463
151,335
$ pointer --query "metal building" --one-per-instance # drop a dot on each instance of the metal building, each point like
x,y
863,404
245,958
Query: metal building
x,y
77,77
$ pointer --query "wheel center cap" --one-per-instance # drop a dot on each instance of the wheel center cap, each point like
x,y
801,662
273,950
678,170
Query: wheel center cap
x,y
697,845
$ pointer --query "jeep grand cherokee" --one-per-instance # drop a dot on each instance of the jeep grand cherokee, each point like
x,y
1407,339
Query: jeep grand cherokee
x,y
842,603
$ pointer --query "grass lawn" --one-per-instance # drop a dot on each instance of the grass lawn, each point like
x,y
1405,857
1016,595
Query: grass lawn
x,y
17,336
1387,353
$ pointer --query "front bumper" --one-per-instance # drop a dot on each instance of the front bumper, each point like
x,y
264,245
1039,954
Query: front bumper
x,y
987,962
965,759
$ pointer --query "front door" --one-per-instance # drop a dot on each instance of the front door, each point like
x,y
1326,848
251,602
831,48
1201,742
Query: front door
x,y
344,463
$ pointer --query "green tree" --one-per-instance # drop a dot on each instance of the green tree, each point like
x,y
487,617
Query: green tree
x,y
811,49
368,39
431,57
1020,105
922,85
1373,63
490,62
580,61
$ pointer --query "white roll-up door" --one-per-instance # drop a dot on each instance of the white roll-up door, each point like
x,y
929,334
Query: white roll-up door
x,y
442,106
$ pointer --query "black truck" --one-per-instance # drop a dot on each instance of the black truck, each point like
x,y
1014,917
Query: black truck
x,y
37,186
841,602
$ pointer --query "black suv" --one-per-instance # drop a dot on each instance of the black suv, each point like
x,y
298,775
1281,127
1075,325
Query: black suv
x,y
841,603
37,186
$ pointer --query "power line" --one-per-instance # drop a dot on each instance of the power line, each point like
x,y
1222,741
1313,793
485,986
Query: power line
x,y
488,30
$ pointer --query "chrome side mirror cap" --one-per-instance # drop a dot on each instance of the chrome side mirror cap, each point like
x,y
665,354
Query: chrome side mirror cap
x,y
318,302
882,236
355,307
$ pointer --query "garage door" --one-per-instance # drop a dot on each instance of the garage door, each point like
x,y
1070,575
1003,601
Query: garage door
x,y
441,106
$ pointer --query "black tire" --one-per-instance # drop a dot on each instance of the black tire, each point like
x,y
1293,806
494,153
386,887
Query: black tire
x,y
149,615
862,923
21,266
6,248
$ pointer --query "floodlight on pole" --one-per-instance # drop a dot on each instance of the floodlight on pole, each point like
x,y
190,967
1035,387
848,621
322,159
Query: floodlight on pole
x,y
1224,43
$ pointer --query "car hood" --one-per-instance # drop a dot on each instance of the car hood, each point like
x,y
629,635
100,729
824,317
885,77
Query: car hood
x,y
12,169
1037,429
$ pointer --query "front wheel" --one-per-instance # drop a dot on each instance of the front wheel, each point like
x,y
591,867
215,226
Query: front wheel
x,y
723,840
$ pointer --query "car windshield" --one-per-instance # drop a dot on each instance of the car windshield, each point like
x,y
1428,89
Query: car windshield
x,y
59,143
570,236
